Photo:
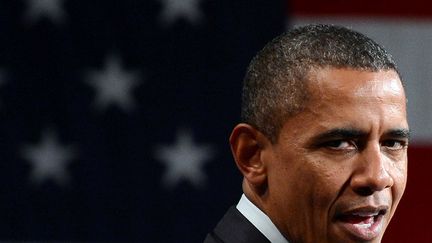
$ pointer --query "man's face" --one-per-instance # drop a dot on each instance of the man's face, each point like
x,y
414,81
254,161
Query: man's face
x,y
338,169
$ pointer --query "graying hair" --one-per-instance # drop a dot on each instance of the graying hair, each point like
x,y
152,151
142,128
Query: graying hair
x,y
274,86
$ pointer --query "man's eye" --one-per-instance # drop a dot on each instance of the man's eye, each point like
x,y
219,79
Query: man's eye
x,y
394,144
339,145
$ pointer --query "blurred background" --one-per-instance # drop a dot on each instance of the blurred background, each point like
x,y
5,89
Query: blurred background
x,y
115,115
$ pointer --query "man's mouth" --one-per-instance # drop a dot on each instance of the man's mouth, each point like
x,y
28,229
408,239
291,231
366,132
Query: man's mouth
x,y
363,223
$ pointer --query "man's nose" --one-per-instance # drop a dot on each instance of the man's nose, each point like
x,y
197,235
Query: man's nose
x,y
371,172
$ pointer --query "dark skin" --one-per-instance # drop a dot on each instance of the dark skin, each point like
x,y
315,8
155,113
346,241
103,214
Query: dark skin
x,y
338,169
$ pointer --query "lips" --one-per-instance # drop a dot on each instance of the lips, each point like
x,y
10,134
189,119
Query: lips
x,y
362,223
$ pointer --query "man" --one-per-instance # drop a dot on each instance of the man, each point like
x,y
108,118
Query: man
x,y
323,143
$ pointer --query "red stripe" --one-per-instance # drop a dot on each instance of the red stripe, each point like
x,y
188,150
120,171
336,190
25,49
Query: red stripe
x,y
363,8
412,219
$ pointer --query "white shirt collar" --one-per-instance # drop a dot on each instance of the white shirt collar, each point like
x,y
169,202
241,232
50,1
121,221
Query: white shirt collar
x,y
260,220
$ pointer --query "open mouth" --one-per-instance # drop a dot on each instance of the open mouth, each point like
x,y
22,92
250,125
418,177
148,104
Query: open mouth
x,y
362,224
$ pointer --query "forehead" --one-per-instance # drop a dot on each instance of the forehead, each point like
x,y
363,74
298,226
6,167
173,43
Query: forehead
x,y
353,83
347,98
353,98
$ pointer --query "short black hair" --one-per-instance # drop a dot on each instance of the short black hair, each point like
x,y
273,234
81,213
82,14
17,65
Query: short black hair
x,y
274,86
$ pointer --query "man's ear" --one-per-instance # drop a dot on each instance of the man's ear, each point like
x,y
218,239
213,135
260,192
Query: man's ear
x,y
247,145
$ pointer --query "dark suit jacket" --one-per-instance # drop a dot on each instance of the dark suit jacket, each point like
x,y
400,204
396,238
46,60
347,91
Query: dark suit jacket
x,y
235,228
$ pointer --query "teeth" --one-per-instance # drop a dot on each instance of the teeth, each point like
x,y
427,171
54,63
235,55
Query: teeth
x,y
364,214
364,226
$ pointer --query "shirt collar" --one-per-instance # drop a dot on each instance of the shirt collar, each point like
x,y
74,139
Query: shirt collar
x,y
260,220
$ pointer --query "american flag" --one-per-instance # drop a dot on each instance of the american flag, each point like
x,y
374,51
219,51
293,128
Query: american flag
x,y
115,115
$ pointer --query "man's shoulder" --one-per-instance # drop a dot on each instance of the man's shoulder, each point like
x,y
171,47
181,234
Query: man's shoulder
x,y
235,228
212,238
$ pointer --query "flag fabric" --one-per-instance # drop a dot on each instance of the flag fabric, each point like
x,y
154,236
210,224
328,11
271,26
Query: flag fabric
x,y
115,115
405,30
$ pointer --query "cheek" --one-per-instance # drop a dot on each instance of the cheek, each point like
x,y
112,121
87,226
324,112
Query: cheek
x,y
322,183
328,183
399,179
398,172
314,181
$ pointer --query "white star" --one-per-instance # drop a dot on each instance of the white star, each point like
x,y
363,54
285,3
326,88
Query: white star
x,y
45,8
113,85
184,160
49,159
176,9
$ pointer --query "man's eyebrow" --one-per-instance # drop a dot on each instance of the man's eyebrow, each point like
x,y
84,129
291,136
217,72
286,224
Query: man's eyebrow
x,y
398,133
340,133
347,133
